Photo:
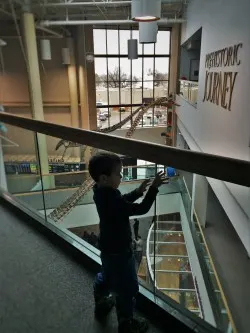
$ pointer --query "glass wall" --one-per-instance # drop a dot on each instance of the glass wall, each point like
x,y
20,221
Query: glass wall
x,y
173,260
122,85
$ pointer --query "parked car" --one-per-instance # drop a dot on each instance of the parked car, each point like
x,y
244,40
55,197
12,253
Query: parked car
x,y
106,112
149,114
154,121
158,114
102,116
122,109
142,122
101,107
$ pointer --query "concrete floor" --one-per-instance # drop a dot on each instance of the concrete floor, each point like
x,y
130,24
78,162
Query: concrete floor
x,y
231,262
43,289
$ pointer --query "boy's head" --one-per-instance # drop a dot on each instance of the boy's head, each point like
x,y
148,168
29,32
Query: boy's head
x,y
105,169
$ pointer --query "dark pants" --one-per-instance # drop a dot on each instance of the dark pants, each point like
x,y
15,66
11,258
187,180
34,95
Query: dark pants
x,y
138,258
119,277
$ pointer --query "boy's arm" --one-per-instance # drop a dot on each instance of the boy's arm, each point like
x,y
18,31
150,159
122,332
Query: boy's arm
x,y
137,193
132,196
123,206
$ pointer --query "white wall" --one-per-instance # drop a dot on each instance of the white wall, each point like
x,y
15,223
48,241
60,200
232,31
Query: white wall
x,y
211,128
195,265
224,23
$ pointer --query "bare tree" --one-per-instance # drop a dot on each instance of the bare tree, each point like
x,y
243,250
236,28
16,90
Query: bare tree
x,y
115,79
158,77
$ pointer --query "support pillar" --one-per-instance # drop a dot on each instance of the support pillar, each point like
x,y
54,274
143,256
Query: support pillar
x,y
86,77
73,90
200,197
174,72
174,59
35,90
3,180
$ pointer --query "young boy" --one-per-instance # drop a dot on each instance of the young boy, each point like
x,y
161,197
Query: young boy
x,y
115,241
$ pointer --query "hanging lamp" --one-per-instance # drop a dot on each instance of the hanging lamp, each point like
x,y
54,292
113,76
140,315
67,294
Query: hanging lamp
x,y
45,49
132,49
148,32
2,42
146,10
66,56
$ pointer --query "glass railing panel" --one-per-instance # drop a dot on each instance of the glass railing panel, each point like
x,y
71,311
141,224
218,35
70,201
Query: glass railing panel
x,y
162,248
175,260
187,299
195,204
20,168
189,91
174,280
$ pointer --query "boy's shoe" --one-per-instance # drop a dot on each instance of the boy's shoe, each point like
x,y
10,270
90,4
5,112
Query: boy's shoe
x,y
138,325
104,306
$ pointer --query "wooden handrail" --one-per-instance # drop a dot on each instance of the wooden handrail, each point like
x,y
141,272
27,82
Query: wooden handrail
x,y
219,167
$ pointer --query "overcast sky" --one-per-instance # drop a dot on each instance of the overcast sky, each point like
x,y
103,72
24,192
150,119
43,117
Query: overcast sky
x,y
162,47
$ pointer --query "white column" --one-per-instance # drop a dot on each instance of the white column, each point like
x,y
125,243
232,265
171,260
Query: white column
x,y
72,77
3,181
73,91
199,198
35,89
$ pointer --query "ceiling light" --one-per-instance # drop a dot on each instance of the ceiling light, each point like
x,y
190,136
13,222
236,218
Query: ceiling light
x,y
90,57
45,49
2,42
66,56
146,10
148,32
132,49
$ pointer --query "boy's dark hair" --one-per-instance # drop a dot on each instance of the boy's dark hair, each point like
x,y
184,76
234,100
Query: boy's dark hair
x,y
103,164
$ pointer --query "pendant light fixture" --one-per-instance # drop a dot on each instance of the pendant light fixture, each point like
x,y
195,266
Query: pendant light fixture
x,y
146,10
132,49
66,56
2,42
148,32
45,49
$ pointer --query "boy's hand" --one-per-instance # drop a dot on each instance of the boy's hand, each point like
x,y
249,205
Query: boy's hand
x,y
160,179
142,188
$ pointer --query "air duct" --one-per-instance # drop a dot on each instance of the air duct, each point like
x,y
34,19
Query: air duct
x,y
107,22
146,10
148,32
132,49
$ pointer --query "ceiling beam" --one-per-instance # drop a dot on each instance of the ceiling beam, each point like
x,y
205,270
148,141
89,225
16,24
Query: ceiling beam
x,y
99,3
5,12
49,31
39,27
48,23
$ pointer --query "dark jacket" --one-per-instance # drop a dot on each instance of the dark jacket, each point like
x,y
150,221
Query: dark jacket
x,y
114,211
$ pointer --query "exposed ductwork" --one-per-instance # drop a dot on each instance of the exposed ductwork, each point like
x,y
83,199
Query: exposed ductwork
x,y
108,22
98,3
52,32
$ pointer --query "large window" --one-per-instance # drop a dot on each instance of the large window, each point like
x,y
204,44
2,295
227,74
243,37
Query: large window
x,y
122,85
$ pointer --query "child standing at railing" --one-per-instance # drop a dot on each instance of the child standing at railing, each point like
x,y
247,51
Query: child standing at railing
x,y
115,241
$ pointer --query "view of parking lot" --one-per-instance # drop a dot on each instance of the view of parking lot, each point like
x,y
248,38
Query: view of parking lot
x,y
159,119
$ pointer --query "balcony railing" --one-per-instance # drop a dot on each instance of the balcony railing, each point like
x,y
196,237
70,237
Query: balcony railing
x,y
189,91
177,267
